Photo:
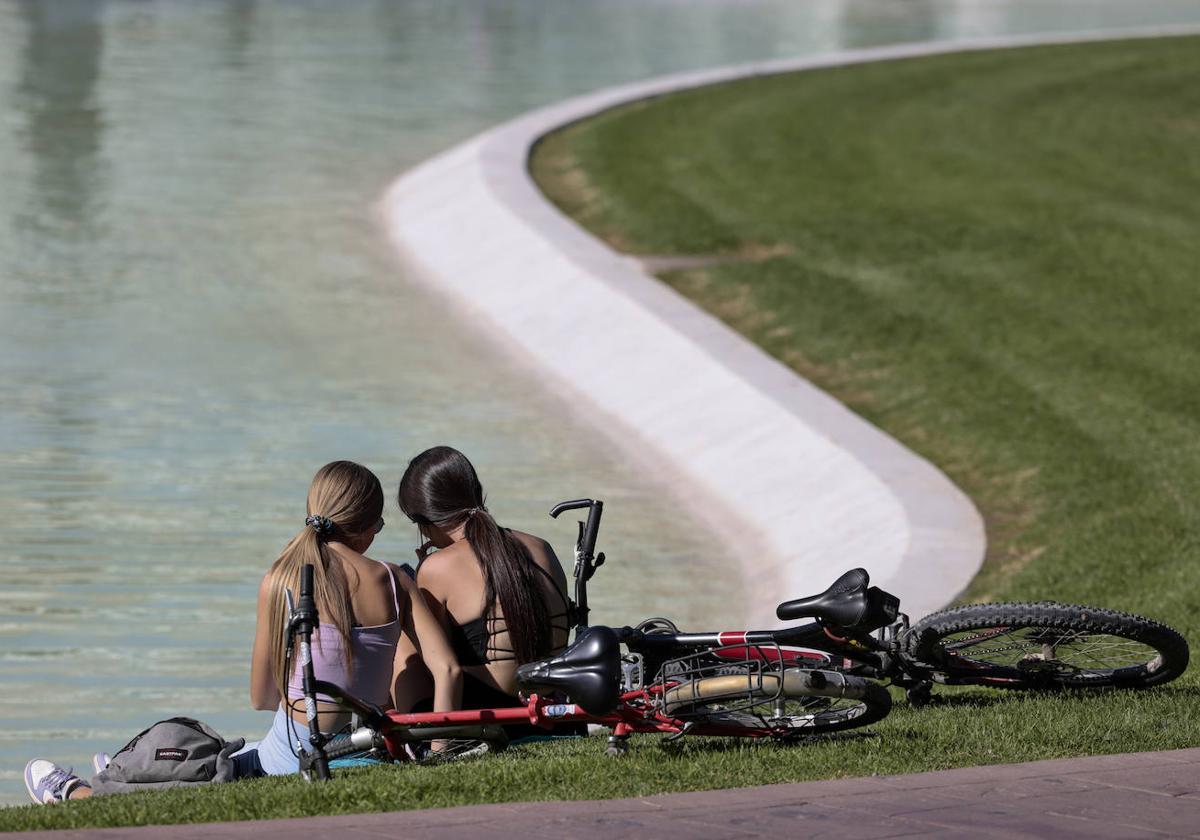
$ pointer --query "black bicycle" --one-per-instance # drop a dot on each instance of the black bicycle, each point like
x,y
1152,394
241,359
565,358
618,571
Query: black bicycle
x,y
858,628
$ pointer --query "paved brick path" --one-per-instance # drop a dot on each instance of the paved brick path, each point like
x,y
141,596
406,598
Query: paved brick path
x,y
1125,796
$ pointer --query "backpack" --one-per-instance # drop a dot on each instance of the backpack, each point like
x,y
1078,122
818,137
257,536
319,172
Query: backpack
x,y
171,753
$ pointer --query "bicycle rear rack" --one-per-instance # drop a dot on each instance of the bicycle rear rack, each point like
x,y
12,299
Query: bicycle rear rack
x,y
704,684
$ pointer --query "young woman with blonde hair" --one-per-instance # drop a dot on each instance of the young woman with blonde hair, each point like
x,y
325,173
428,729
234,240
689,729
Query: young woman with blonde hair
x,y
366,608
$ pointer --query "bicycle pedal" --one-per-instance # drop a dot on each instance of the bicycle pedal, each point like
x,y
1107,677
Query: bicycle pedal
x,y
675,736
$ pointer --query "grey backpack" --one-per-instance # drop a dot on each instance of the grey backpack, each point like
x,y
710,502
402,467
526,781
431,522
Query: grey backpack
x,y
171,753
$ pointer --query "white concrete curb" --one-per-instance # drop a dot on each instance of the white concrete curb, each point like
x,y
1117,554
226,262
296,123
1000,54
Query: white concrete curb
x,y
822,489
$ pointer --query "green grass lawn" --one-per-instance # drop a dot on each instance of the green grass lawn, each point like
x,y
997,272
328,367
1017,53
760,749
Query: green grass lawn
x,y
993,256
961,729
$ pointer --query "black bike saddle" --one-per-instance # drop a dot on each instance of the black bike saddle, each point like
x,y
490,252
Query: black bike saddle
x,y
589,671
844,604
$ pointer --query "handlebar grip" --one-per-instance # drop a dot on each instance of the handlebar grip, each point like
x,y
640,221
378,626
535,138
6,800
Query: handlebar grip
x,y
563,507
339,746
343,745
306,580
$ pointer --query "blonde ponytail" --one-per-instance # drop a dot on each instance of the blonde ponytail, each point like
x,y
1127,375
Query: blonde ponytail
x,y
345,500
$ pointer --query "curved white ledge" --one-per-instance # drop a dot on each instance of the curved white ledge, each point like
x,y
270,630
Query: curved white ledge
x,y
821,488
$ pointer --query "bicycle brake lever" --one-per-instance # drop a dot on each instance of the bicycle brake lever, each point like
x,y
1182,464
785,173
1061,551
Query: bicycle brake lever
x,y
291,616
578,552
596,564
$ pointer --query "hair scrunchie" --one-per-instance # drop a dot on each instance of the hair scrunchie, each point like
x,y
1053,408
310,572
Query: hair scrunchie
x,y
323,525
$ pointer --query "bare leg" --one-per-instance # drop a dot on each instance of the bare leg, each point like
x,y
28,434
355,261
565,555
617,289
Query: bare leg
x,y
413,682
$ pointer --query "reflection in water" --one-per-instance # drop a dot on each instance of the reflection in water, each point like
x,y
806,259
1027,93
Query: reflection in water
x,y
240,16
62,133
907,20
63,123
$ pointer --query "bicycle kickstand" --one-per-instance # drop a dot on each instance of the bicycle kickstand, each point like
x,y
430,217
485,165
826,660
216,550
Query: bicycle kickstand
x,y
618,741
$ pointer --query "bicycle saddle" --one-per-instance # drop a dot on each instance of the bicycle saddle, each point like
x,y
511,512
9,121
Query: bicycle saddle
x,y
589,671
844,604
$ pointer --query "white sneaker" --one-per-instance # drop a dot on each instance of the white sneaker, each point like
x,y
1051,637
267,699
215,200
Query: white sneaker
x,y
100,761
48,783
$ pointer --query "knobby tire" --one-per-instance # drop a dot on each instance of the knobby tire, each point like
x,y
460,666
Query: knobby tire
x,y
1048,646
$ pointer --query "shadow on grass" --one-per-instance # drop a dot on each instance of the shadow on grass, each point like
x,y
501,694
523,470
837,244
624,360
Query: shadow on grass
x,y
973,700
982,699
1179,692
715,746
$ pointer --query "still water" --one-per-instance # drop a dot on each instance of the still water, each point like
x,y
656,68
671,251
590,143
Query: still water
x,y
197,309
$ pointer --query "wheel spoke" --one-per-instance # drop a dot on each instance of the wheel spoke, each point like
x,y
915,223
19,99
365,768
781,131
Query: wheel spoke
x,y
1047,644
774,713
1071,649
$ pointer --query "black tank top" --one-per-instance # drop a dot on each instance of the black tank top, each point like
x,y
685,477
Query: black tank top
x,y
473,642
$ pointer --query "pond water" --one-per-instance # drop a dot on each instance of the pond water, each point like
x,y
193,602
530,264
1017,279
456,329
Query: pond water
x,y
197,309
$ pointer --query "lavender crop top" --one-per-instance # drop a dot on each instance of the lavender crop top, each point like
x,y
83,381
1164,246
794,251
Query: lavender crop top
x,y
374,648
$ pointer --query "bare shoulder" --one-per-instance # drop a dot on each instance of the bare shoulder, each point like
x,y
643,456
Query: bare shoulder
x,y
542,553
534,543
371,571
265,595
396,571
442,566
406,586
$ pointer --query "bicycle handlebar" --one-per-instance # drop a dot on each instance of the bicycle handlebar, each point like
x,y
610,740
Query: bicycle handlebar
x,y
575,504
586,560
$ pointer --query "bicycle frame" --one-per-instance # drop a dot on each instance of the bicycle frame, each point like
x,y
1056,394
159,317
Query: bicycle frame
x,y
637,711
632,715
815,644
803,645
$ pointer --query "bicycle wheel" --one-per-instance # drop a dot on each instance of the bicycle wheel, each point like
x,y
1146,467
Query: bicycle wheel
x,y
786,704
1048,645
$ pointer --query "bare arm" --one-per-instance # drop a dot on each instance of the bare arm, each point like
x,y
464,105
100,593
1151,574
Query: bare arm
x,y
264,694
411,681
427,638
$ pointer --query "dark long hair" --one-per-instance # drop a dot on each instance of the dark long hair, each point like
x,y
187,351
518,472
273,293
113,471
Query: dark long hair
x,y
440,487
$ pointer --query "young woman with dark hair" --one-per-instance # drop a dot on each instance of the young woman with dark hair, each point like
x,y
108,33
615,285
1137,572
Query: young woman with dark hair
x,y
499,593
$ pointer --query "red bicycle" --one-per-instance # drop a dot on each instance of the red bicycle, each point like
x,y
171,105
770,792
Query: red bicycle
x,y
722,685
